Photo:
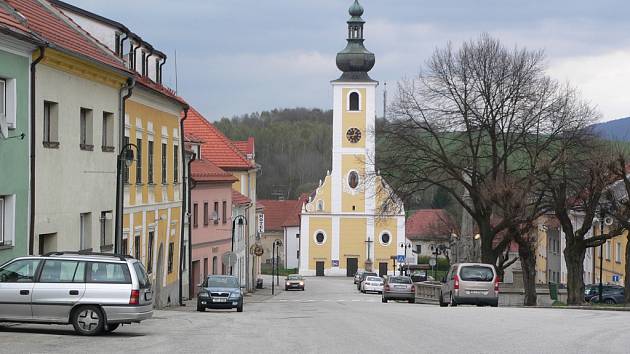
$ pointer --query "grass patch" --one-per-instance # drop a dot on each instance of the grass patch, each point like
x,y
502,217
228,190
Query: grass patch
x,y
558,304
266,270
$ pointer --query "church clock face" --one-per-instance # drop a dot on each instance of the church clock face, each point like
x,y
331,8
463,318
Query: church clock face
x,y
353,135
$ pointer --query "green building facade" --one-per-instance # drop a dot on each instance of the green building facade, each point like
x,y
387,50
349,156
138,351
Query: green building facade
x,y
15,59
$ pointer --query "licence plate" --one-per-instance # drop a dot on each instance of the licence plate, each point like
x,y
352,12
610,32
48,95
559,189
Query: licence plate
x,y
476,292
219,300
399,287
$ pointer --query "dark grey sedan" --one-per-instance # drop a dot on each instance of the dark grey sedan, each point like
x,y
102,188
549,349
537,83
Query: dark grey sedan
x,y
220,292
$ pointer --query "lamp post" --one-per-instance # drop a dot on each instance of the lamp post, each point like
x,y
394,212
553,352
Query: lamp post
x,y
242,220
125,157
438,250
404,245
601,254
274,265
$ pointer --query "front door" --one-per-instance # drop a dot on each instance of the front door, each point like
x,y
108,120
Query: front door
x,y
352,265
382,269
319,269
16,289
194,289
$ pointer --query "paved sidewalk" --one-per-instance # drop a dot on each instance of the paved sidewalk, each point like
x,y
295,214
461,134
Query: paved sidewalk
x,y
259,295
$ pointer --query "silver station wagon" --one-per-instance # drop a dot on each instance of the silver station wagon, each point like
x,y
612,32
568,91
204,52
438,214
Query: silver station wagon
x,y
92,291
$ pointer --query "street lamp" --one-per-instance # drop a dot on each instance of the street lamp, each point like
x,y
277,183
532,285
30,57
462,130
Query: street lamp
x,y
274,265
125,157
404,245
437,251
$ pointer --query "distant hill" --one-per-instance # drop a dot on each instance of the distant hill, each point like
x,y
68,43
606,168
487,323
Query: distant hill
x,y
618,129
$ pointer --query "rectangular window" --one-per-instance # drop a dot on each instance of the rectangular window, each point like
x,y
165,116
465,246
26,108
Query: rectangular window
x,y
86,129
158,74
136,246
164,181
618,252
85,229
2,227
139,162
215,216
51,124
608,250
150,162
175,163
62,271
108,132
195,216
117,48
3,98
113,273
106,231
205,213
125,167
150,251
125,246
171,249
144,63
225,216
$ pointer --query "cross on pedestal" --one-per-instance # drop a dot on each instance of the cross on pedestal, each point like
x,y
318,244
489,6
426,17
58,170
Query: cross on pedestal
x,y
368,242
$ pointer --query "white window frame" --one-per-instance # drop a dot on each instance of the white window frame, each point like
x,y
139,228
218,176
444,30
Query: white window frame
x,y
348,100
608,250
315,237
8,118
3,97
7,220
380,238
618,252
2,222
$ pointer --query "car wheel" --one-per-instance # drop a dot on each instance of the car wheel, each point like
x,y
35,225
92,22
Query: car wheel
x,y
441,301
412,301
286,289
239,308
112,327
452,302
88,320
201,308
384,300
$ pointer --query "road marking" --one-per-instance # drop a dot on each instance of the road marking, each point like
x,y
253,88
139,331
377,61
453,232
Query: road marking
x,y
356,300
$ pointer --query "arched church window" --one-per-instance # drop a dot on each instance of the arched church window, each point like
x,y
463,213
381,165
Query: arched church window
x,y
353,179
354,101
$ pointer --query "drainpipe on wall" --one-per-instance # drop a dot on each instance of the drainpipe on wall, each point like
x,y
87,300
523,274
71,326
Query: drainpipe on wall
x,y
161,65
31,235
122,44
119,178
146,63
184,206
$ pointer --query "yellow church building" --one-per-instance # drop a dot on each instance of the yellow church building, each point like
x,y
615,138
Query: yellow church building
x,y
344,224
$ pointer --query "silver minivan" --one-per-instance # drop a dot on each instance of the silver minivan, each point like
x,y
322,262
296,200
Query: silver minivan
x,y
470,284
94,292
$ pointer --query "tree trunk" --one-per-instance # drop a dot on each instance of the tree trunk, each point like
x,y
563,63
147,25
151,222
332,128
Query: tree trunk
x,y
528,264
574,256
626,278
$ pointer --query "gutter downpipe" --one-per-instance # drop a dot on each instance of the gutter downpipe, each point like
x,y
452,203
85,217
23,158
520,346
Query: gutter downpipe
x,y
31,235
119,182
122,44
161,64
184,208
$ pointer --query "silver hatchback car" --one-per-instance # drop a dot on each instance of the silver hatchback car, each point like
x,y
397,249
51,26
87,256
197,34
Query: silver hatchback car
x,y
471,284
94,292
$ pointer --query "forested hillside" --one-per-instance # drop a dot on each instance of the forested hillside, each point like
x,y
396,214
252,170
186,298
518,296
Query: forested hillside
x,y
293,146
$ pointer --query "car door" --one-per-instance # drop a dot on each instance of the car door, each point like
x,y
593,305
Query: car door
x,y
16,289
60,286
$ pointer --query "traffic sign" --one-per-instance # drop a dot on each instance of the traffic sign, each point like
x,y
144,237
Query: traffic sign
x,y
400,258
229,258
432,262
615,278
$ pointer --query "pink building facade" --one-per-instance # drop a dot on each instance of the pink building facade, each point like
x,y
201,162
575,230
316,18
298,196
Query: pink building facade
x,y
211,220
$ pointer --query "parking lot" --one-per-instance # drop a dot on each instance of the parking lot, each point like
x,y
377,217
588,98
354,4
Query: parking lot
x,y
331,316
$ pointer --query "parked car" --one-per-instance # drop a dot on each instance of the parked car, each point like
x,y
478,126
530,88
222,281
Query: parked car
x,y
220,292
94,292
294,281
357,276
612,294
399,287
364,275
372,284
591,292
470,283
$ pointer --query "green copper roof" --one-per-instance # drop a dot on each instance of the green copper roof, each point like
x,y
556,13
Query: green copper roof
x,y
356,10
355,61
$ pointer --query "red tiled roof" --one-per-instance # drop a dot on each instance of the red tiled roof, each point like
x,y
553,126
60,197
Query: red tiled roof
x,y
239,199
276,212
159,88
216,147
56,28
206,171
246,147
293,219
192,138
11,21
428,224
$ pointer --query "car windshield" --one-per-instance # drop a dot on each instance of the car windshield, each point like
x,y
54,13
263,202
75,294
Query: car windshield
x,y
222,282
399,280
374,279
476,273
294,277
365,275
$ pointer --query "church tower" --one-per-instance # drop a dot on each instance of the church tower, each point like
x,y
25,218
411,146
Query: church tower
x,y
345,225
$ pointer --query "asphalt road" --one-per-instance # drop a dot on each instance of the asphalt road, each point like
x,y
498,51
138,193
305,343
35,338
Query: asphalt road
x,y
332,317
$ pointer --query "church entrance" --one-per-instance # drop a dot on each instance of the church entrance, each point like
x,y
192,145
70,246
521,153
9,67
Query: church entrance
x,y
319,269
382,268
352,265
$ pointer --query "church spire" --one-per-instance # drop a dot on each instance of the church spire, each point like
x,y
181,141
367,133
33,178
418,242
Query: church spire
x,y
355,61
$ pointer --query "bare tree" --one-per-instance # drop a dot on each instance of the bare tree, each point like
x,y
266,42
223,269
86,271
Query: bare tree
x,y
483,119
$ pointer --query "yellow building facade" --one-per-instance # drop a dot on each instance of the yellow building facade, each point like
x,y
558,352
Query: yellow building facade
x,y
351,221
613,268
153,192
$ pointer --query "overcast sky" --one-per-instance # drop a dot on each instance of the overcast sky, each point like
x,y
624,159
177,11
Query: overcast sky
x,y
242,56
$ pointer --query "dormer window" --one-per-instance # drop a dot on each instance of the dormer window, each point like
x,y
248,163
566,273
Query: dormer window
x,y
353,105
144,63
117,44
